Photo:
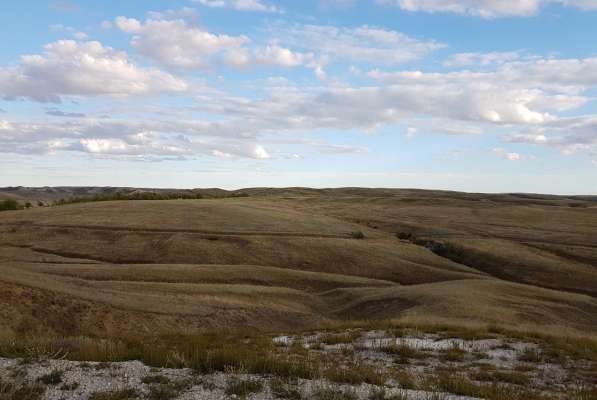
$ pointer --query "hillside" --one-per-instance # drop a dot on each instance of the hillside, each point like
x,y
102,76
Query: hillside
x,y
287,259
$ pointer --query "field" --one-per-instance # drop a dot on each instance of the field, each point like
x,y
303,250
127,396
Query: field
x,y
296,260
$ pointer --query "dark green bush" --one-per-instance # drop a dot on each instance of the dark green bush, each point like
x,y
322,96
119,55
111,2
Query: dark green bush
x,y
357,235
9,204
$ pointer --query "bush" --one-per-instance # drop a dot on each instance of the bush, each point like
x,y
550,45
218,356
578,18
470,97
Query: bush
x,y
357,235
404,235
53,378
10,204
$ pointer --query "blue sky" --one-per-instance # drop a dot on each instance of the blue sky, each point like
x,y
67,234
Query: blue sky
x,y
488,95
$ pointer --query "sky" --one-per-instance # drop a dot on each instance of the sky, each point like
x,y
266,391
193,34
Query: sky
x,y
478,96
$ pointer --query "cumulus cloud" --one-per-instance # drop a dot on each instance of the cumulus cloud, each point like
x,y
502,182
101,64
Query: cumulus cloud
x,y
176,43
520,92
570,135
70,68
240,5
485,8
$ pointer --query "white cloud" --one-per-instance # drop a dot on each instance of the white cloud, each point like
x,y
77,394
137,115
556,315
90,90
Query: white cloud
x,y
260,153
79,35
240,5
70,68
485,8
519,92
570,135
362,44
177,44
507,155
276,55
480,59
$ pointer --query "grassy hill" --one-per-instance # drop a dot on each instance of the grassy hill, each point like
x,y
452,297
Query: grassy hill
x,y
288,259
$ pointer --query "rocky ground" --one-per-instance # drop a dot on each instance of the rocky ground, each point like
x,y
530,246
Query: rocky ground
x,y
367,365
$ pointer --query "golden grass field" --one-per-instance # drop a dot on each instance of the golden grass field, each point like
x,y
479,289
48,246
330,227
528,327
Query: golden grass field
x,y
285,259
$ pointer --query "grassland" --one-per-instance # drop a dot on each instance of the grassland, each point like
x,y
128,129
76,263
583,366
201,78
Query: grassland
x,y
288,259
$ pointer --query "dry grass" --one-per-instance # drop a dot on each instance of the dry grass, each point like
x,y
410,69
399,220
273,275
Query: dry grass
x,y
285,260
122,394
242,388
18,389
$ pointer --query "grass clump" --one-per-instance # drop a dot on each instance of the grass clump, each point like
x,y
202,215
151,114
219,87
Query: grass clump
x,y
243,388
122,394
332,393
404,352
52,378
453,354
343,338
285,389
514,377
354,374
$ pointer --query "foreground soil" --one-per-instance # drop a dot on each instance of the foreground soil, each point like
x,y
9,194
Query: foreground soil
x,y
354,364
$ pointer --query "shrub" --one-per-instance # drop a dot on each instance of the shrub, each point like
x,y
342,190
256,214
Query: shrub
x,y
53,378
357,235
10,204
404,235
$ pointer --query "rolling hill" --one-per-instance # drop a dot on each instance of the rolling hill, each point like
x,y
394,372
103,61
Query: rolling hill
x,y
288,259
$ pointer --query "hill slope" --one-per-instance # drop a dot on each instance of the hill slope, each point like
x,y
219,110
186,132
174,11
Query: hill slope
x,y
287,259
